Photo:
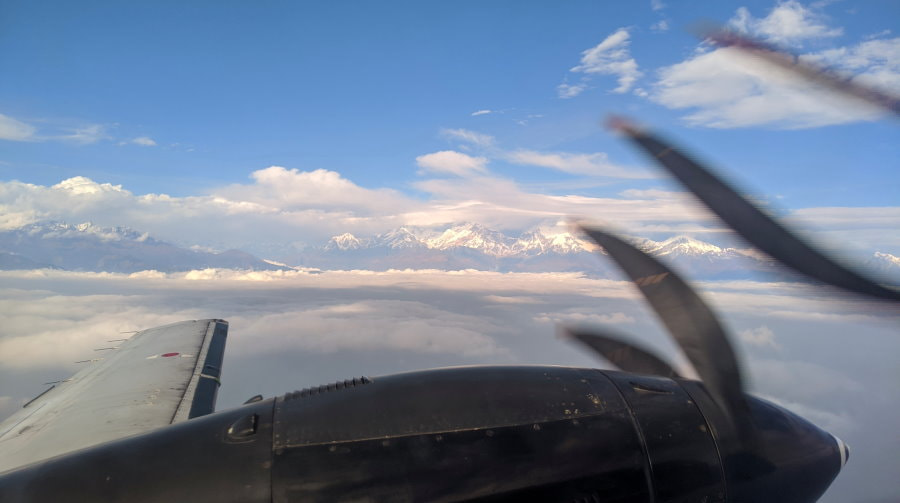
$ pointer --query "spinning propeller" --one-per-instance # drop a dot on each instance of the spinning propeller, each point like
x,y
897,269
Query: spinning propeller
x,y
688,319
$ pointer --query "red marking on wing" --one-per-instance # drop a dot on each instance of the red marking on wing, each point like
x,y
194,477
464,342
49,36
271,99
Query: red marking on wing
x,y
166,355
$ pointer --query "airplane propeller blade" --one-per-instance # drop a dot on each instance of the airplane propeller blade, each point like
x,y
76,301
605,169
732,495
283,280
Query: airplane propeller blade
x,y
689,320
813,73
626,356
747,220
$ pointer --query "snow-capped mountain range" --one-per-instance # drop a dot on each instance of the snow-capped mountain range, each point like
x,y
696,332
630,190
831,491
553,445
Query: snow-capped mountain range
x,y
475,246
472,236
87,247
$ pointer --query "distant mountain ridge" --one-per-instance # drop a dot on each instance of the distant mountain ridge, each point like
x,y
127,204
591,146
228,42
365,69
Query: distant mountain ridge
x,y
472,236
87,247
475,246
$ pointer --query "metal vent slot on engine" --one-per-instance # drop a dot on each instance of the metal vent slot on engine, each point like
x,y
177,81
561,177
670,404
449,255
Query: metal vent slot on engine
x,y
347,383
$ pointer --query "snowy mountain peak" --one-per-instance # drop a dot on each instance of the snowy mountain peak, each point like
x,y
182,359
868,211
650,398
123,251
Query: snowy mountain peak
x,y
468,236
540,241
887,258
684,245
63,230
400,238
472,236
345,241
529,244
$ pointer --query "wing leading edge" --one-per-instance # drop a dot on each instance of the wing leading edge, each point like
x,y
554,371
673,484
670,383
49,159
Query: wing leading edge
x,y
159,376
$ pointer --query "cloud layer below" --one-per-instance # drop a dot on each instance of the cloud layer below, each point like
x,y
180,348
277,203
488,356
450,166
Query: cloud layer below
x,y
307,327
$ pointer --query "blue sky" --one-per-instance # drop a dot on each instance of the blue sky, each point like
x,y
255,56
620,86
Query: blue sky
x,y
268,126
189,101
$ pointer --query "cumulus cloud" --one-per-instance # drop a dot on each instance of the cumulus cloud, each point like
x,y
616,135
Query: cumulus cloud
x,y
876,62
282,206
789,22
609,57
451,162
281,210
15,130
726,88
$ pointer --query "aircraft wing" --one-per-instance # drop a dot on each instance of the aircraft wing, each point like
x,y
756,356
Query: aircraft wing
x,y
159,376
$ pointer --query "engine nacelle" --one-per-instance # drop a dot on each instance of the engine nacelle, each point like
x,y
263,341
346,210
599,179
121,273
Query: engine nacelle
x,y
458,434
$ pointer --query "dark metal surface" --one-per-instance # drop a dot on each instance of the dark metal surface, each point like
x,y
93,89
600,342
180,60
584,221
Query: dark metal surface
x,y
480,434
689,320
191,461
684,462
460,434
208,385
790,460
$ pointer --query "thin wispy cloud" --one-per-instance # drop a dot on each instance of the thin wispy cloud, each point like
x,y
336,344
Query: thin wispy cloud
x,y
595,164
12,129
144,141
16,130
470,137
481,112
84,135
661,25
609,57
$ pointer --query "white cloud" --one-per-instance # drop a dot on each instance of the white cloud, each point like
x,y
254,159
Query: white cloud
x,y
728,89
876,62
84,185
503,299
566,91
280,210
451,162
481,112
144,141
471,137
306,329
596,164
15,130
661,25
580,317
278,189
375,324
654,194
611,57
761,336
789,22
84,135
657,5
